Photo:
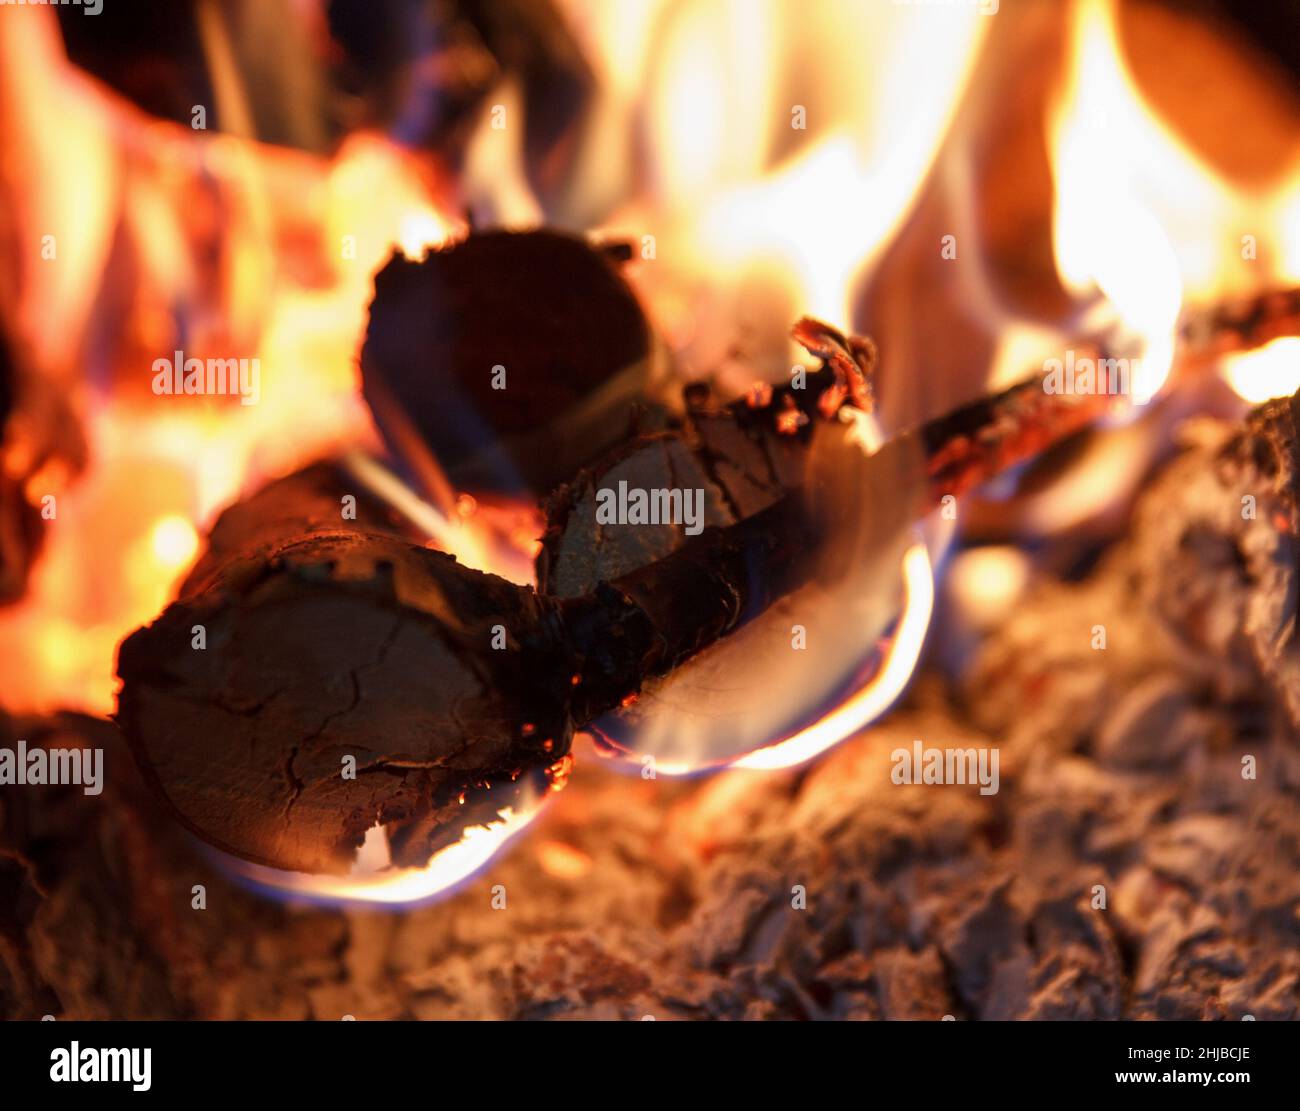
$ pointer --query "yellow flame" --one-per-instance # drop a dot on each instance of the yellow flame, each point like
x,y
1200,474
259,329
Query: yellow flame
x,y
1139,217
1271,371
174,541
303,236
767,151
1111,161
1287,217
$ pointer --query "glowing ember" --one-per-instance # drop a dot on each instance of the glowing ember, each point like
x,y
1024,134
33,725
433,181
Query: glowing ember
x,y
562,860
986,582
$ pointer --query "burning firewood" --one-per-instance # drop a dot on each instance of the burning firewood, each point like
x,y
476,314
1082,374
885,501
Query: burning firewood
x,y
304,640
736,695
336,644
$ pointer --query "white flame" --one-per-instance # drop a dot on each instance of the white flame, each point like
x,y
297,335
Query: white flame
x,y
373,882
1271,371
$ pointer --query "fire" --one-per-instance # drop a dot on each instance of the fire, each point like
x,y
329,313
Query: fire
x,y
873,699
1271,371
374,881
760,155
173,541
1142,226
742,188
784,149
1107,236
785,146
121,539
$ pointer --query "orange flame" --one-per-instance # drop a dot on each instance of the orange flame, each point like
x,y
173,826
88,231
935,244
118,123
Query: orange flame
x,y
1143,221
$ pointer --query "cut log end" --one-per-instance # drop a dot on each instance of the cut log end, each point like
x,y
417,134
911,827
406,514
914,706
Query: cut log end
x,y
510,357
315,680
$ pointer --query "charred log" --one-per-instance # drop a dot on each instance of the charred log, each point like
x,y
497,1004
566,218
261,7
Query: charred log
x,y
511,358
298,643
323,639
303,641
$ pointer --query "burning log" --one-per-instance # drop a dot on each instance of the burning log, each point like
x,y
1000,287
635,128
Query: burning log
x,y
347,674
742,458
1120,768
512,358
303,641
333,644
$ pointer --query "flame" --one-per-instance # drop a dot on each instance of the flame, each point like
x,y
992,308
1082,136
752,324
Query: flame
x,y
867,704
302,237
1110,159
784,147
1141,224
373,881
1271,371
173,542
783,150
732,204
